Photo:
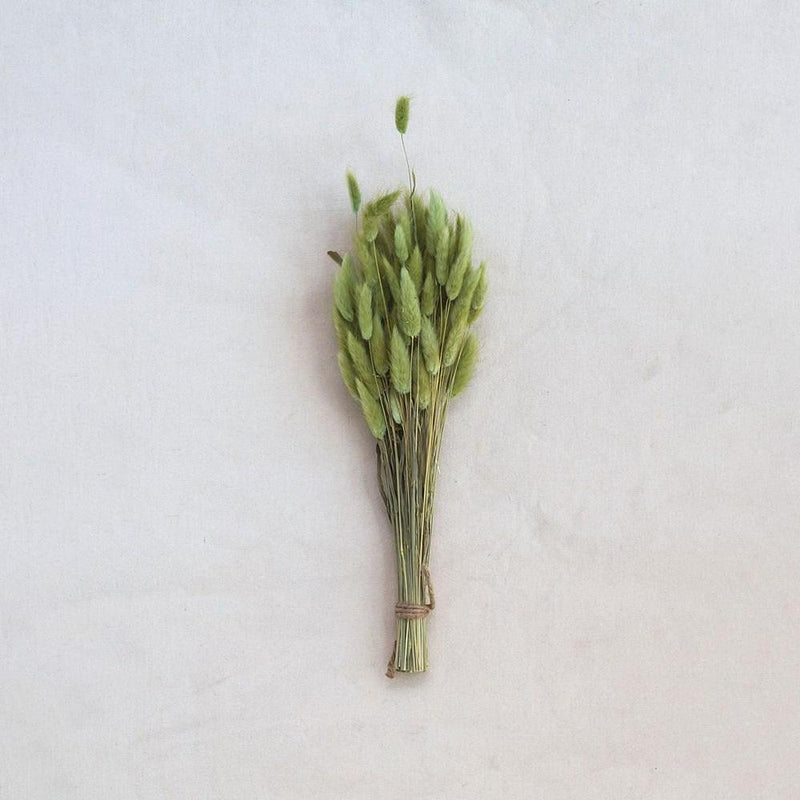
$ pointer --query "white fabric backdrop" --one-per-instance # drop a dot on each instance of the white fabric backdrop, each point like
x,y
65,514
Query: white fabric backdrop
x,y
196,580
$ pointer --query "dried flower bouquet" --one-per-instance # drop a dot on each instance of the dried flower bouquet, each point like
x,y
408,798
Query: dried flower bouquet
x,y
403,311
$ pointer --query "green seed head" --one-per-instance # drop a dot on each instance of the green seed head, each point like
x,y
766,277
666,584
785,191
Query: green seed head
x,y
428,301
429,341
442,256
422,385
455,236
408,313
346,370
401,113
400,244
372,411
365,310
341,328
420,214
459,268
415,268
389,278
479,295
455,337
377,345
399,363
381,205
354,192
366,257
404,221
468,286
466,365
361,363
343,288
459,314
369,227
435,222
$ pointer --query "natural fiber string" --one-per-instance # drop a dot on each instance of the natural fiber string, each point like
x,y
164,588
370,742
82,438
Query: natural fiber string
x,y
412,611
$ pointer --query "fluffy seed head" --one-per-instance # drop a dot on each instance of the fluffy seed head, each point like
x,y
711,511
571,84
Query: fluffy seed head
x,y
399,363
408,314
468,287
455,236
415,268
442,256
435,221
346,370
420,213
400,244
404,221
341,327
401,113
377,345
422,385
343,288
364,310
429,341
454,339
428,295
361,364
479,295
366,257
459,313
354,192
373,412
466,365
389,278
369,227
459,267
381,205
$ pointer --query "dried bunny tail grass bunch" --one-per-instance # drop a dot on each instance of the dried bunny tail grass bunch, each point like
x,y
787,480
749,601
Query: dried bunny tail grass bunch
x,y
404,305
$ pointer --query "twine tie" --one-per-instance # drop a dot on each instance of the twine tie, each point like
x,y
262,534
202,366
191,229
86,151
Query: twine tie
x,y
412,611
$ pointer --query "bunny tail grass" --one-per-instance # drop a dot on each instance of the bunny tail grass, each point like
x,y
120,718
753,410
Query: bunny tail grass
x,y
401,110
354,192
402,315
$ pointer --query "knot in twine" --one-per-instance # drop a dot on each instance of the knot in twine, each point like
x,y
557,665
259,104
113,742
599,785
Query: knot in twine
x,y
412,611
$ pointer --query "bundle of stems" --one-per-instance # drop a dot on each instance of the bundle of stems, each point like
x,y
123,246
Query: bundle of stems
x,y
403,310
